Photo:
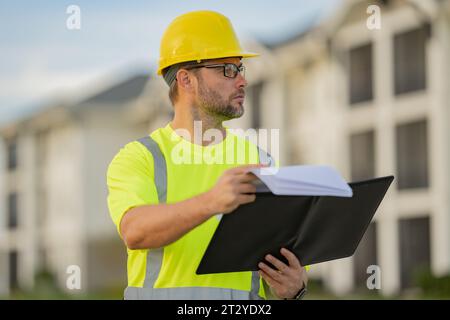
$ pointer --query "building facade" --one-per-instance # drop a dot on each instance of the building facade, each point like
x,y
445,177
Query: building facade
x,y
372,102
54,213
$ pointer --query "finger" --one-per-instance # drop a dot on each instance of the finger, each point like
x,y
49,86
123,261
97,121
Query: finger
x,y
246,198
292,259
275,274
246,177
246,188
246,168
270,281
280,265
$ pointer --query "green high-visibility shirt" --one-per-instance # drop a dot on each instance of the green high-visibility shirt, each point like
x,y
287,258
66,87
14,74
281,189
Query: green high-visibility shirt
x,y
192,169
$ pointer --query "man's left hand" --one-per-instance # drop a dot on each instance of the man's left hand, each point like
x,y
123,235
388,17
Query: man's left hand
x,y
287,280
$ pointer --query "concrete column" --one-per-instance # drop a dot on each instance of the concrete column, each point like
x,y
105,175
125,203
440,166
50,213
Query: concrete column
x,y
438,83
273,111
385,159
4,275
27,211
340,276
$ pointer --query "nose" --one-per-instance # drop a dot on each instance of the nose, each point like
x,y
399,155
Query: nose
x,y
240,81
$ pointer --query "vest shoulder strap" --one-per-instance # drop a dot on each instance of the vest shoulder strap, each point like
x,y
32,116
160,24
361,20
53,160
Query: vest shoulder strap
x,y
160,167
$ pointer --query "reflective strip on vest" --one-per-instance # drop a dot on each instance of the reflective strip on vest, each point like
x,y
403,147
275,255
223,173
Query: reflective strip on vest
x,y
159,161
155,256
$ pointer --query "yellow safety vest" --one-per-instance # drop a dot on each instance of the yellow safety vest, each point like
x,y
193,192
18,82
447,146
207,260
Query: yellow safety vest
x,y
148,171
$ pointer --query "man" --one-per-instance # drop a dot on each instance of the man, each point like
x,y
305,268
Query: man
x,y
166,211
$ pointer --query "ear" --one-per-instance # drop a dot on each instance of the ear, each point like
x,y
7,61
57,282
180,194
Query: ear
x,y
185,80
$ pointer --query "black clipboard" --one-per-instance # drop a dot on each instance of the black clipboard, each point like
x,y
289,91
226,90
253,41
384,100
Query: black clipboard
x,y
315,228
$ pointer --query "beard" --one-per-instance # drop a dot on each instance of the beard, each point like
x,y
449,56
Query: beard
x,y
211,102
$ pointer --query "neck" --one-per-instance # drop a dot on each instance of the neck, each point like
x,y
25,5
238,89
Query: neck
x,y
196,121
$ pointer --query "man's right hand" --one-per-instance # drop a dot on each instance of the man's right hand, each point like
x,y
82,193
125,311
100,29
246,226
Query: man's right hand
x,y
157,225
233,188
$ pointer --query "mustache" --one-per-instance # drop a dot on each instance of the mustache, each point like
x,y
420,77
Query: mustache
x,y
241,92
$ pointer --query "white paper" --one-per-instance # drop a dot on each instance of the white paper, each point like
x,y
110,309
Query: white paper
x,y
303,180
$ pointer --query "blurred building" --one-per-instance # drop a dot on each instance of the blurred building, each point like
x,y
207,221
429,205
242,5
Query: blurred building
x,y
53,189
368,102
371,103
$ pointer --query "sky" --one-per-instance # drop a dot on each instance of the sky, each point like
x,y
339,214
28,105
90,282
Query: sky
x,y
43,62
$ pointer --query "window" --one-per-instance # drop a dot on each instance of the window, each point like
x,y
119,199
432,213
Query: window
x,y
12,154
13,270
410,60
360,74
412,155
362,155
414,249
12,210
256,92
365,255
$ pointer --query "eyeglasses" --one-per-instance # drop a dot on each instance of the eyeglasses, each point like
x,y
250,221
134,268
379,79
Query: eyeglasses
x,y
230,70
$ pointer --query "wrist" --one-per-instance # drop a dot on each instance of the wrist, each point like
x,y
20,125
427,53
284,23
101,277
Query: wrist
x,y
300,294
205,203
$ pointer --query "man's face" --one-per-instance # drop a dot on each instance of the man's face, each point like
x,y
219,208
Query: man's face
x,y
219,95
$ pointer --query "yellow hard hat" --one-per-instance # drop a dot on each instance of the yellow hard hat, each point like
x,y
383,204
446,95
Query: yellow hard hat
x,y
199,35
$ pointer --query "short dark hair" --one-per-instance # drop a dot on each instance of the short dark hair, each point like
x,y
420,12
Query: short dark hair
x,y
173,91
173,86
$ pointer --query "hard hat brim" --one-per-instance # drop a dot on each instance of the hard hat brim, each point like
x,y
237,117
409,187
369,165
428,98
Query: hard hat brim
x,y
243,55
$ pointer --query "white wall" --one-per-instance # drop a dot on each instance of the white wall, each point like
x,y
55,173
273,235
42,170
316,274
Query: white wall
x,y
27,210
63,232
439,122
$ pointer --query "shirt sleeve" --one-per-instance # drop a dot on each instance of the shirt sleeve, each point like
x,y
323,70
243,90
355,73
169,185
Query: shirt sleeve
x,y
130,180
